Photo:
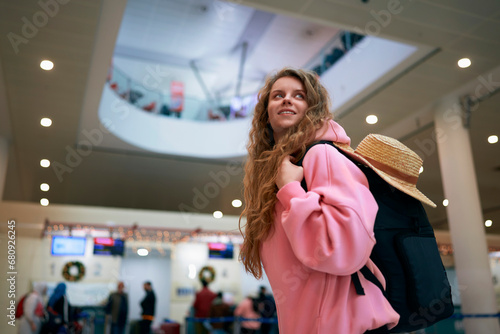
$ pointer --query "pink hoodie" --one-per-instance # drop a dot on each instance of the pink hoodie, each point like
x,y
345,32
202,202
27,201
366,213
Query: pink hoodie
x,y
320,238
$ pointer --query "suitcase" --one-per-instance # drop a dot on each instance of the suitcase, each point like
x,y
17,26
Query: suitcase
x,y
170,328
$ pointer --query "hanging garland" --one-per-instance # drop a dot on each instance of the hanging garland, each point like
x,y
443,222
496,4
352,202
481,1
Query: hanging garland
x,y
73,278
207,274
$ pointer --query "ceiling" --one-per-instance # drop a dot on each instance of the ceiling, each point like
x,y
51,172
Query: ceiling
x,y
210,32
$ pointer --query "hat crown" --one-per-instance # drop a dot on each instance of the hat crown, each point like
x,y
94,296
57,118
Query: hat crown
x,y
392,161
390,152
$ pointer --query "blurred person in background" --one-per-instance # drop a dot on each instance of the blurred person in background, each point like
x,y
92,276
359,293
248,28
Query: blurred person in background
x,y
33,310
202,304
148,309
117,309
248,309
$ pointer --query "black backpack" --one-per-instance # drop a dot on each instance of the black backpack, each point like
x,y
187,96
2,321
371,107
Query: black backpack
x,y
406,253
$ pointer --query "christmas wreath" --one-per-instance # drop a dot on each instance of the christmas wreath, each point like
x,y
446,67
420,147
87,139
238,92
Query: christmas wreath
x,y
207,274
68,276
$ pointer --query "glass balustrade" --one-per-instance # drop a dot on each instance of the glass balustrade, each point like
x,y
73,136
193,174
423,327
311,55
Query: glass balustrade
x,y
335,49
161,102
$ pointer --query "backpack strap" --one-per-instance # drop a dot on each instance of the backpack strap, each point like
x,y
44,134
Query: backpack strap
x,y
329,142
372,278
357,284
299,163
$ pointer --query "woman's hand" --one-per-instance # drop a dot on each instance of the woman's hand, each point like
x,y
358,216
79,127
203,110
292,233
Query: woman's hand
x,y
288,172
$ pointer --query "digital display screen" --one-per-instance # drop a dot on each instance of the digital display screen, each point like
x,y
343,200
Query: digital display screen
x,y
109,246
219,250
68,245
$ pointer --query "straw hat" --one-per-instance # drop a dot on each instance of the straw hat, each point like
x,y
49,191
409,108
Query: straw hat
x,y
392,161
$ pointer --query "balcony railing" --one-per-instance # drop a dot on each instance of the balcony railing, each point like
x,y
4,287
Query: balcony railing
x,y
161,102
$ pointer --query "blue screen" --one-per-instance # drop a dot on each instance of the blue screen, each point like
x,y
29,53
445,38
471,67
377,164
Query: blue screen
x,y
217,250
68,245
108,246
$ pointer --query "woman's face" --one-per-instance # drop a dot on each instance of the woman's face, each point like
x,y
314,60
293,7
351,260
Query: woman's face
x,y
287,105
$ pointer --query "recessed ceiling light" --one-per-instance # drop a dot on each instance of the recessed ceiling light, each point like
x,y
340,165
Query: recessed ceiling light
x,y
46,65
44,187
45,163
46,122
44,202
371,119
464,63
142,252
236,203
421,170
493,139
218,214
446,202
488,223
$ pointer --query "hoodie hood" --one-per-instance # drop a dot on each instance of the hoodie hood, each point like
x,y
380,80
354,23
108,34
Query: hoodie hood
x,y
332,131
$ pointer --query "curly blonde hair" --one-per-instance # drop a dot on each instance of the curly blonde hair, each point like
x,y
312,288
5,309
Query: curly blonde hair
x,y
265,156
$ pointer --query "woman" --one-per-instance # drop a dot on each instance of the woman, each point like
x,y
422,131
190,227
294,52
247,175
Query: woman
x,y
30,322
248,309
59,311
309,243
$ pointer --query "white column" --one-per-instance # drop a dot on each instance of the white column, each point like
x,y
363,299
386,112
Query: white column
x,y
465,219
4,155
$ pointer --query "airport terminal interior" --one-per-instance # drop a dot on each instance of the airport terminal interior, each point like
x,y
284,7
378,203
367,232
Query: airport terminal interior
x,y
124,128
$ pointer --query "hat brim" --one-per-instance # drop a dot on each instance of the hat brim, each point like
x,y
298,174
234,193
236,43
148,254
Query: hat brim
x,y
407,188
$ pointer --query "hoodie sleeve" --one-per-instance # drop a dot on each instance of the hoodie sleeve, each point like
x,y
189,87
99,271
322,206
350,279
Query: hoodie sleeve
x,y
330,228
